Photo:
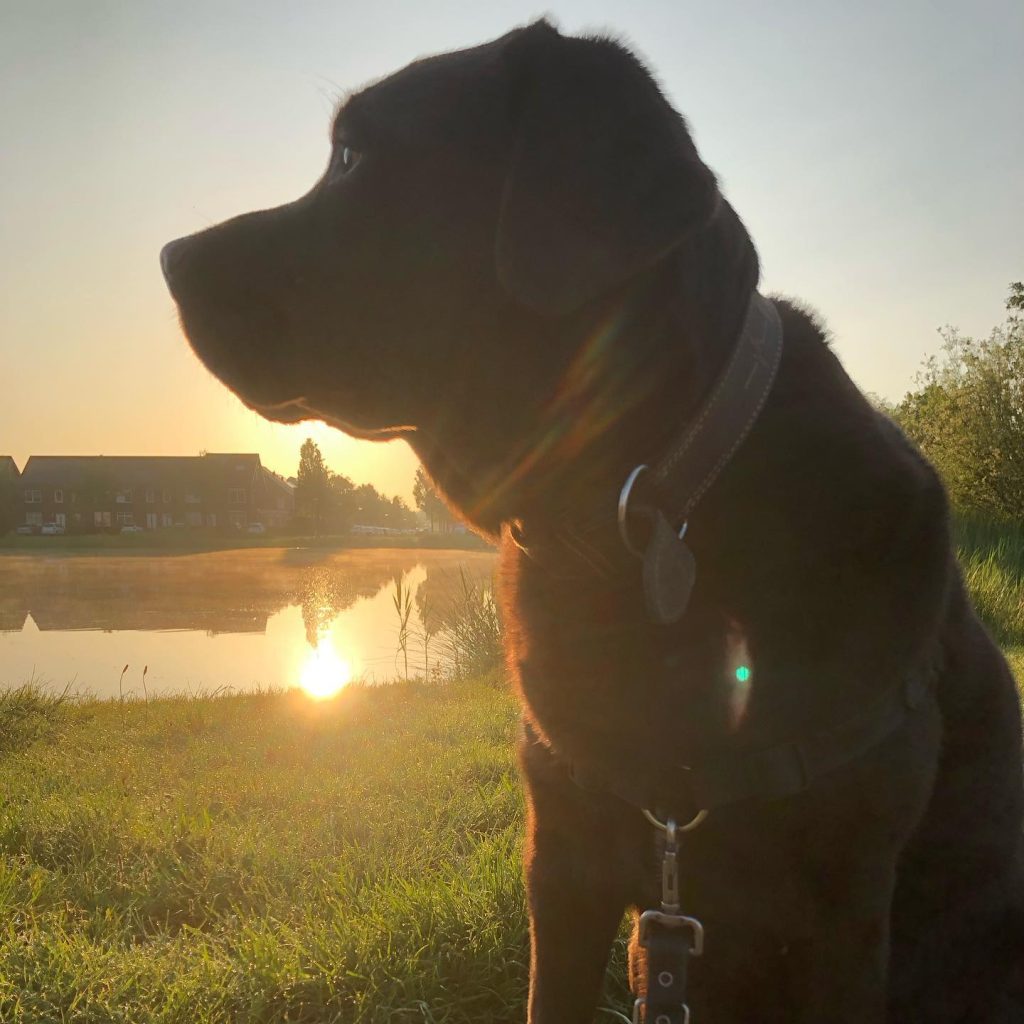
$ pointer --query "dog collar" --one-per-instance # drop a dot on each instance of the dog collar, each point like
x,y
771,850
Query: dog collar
x,y
692,464
656,499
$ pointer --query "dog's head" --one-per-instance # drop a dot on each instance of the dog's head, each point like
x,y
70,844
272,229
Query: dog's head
x,y
478,211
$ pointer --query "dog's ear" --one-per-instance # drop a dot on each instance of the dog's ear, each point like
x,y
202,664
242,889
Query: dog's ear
x,y
604,178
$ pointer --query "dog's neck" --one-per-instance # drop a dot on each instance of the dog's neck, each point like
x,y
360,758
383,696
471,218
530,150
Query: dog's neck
x,y
641,366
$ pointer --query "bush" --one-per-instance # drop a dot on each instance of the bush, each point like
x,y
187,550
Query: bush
x,y
967,416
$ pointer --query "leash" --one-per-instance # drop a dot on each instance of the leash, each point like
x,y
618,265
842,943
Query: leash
x,y
670,938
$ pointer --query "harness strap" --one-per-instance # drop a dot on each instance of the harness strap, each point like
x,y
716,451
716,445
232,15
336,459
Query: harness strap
x,y
771,773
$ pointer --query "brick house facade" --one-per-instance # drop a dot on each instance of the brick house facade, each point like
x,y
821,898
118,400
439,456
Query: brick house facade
x,y
10,507
87,494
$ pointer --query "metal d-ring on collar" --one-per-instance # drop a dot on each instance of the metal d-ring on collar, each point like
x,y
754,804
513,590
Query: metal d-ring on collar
x,y
623,509
666,826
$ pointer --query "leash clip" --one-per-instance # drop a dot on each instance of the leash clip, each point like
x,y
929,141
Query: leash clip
x,y
663,934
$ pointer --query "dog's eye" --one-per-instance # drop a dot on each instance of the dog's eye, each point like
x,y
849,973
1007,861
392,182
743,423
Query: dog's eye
x,y
349,158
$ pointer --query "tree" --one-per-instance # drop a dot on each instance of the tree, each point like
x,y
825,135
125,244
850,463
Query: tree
x,y
967,416
342,502
402,517
429,503
312,489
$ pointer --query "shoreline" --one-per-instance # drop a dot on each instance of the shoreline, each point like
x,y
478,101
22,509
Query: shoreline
x,y
176,544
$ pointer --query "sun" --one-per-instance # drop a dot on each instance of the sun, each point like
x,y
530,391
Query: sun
x,y
323,672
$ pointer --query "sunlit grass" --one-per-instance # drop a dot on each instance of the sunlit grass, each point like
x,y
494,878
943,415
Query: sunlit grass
x,y
992,559
263,858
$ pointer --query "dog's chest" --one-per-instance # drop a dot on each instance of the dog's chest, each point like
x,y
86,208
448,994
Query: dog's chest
x,y
604,684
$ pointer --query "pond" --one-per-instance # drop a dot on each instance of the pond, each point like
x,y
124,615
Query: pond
x,y
230,620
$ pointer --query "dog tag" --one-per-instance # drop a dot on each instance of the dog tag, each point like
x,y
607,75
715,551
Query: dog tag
x,y
669,573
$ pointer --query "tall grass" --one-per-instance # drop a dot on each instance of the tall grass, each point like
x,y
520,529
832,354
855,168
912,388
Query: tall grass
x,y
468,641
471,638
402,600
992,558
28,713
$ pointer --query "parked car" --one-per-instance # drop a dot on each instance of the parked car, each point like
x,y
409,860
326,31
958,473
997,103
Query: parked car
x,y
52,530
131,529
256,528
26,530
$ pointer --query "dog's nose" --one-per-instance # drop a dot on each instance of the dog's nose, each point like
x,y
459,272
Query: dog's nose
x,y
170,257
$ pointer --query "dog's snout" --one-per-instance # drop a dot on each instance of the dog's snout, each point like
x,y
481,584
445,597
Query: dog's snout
x,y
170,258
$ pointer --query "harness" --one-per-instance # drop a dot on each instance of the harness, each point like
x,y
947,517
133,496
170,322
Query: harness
x,y
653,510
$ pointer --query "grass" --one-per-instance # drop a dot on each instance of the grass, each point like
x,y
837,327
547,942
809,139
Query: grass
x,y
992,559
263,858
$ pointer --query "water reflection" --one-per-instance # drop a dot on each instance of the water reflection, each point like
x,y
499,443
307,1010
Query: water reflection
x,y
237,619
324,674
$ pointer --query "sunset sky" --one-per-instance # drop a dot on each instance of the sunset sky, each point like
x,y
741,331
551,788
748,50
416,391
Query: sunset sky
x,y
874,150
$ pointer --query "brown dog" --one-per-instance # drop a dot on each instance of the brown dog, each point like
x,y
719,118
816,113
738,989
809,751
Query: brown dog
x,y
517,261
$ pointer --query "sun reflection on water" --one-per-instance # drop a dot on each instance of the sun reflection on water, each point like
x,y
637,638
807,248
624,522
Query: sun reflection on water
x,y
324,673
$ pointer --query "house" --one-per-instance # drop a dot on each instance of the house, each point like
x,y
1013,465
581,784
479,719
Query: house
x,y
9,507
275,500
86,493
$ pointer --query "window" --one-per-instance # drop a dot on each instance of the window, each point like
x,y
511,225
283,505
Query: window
x,y
74,497
236,519
58,496
101,518
150,495
191,498
33,497
61,520
151,520
211,520
194,518
237,496
124,497
126,519
168,497
168,519
33,518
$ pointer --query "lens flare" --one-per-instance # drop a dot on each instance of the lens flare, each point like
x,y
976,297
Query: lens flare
x,y
323,673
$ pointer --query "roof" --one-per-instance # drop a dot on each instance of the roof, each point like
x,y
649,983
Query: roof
x,y
8,467
275,481
138,470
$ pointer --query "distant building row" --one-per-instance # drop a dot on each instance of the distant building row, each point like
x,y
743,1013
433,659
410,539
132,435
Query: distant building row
x,y
84,494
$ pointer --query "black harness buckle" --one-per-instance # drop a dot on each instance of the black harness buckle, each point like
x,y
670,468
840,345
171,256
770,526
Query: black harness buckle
x,y
659,919
670,941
